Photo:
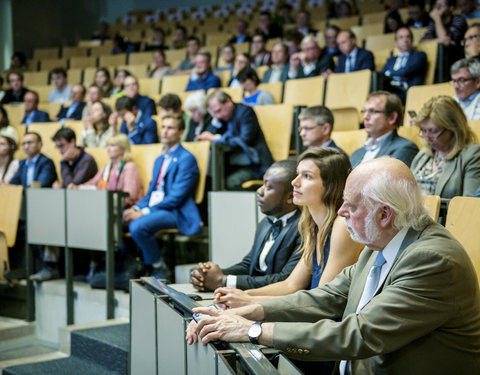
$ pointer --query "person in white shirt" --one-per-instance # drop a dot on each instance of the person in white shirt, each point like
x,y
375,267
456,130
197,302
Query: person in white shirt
x,y
466,82
61,92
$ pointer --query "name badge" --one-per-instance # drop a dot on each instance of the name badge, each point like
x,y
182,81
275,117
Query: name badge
x,y
156,197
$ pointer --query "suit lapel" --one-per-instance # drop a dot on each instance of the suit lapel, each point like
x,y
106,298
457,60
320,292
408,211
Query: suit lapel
x,y
448,169
386,144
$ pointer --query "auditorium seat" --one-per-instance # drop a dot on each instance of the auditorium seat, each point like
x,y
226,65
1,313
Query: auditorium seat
x,y
100,155
417,96
346,119
345,23
276,89
112,60
349,140
68,52
100,50
224,76
74,76
144,157
368,28
432,204
43,92
36,78
411,133
375,17
46,53
380,42
304,91
138,58
83,62
235,93
430,48
15,113
49,64
51,108
381,56
174,84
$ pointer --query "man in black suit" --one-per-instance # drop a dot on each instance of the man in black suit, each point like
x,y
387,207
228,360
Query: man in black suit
x,y
309,62
278,71
75,109
273,255
353,58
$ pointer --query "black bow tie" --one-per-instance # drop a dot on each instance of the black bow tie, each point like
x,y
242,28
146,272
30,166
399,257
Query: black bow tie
x,y
275,228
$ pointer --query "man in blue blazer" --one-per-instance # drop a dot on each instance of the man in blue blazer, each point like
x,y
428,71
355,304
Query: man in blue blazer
x,y
353,58
75,109
273,255
170,200
32,113
250,156
36,167
202,77
140,128
316,125
381,115
145,105
406,69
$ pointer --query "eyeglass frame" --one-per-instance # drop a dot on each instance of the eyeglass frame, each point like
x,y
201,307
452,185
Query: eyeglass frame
x,y
471,38
428,133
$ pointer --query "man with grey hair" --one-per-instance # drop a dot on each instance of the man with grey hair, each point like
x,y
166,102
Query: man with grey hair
x,y
409,305
308,62
466,82
202,77
316,125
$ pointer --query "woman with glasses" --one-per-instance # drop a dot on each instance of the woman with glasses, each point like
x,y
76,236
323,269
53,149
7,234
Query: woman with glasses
x,y
449,164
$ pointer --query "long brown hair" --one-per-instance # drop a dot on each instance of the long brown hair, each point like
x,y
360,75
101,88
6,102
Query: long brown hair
x,y
334,166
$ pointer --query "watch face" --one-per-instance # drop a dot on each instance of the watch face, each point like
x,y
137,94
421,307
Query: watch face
x,y
255,330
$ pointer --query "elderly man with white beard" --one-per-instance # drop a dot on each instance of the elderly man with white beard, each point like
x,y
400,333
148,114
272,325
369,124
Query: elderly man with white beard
x,y
411,304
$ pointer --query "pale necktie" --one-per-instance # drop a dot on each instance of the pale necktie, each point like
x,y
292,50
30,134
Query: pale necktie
x,y
368,293
348,64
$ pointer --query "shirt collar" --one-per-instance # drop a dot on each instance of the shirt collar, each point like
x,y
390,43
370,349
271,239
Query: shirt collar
x,y
390,251
284,218
469,99
33,161
353,53
371,144
168,151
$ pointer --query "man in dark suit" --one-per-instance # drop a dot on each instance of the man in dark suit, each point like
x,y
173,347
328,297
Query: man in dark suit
x,y
250,156
273,255
36,167
32,113
406,69
308,62
381,115
278,71
143,103
16,92
316,126
170,200
75,109
303,23
471,41
202,77
408,306
353,58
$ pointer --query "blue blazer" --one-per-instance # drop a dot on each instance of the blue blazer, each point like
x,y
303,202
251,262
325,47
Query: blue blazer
x,y
38,116
181,180
145,132
146,105
363,61
244,133
394,146
44,172
208,81
283,74
413,73
281,259
76,115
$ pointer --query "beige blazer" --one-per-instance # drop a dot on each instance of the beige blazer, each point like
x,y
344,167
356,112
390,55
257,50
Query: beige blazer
x,y
425,318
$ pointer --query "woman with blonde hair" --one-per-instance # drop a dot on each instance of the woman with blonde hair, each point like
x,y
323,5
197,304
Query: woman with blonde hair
x,y
449,164
120,173
326,247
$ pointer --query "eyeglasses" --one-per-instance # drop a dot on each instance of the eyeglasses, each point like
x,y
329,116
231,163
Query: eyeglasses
x,y
470,38
371,112
461,81
424,133
307,128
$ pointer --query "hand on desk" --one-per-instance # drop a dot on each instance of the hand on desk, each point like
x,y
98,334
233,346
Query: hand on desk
x,y
207,277
230,298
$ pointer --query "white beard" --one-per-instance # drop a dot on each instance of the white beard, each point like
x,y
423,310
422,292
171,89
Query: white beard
x,y
372,233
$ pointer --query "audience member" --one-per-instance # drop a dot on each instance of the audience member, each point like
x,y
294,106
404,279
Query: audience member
x,y
242,60
171,103
5,128
420,270
241,34
193,46
250,156
393,21
316,126
117,90
278,71
120,173
170,201
144,104
36,167
8,164
103,81
260,55
61,92
469,9
17,91
161,68
353,58
284,16
93,95
342,9
449,165
103,32
293,39
157,41
382,114
76,166
274,253
408,68
140,127
330,34
18,63
471,41
77,105
32,113
227,58
303,23
417,16
466,82
180,39
266,27
249,80
202,77
97,128
308,63
200,119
